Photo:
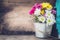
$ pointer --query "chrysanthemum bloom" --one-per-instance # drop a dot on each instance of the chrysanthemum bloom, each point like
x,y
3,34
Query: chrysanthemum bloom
x,y
42,19
37,12
53,11
42,12
47,6
50,21
48,14
37,5
32,11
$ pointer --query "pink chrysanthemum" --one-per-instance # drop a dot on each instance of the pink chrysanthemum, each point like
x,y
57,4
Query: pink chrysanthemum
x,y
34,8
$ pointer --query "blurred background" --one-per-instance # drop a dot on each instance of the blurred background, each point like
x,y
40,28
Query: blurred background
x,y
15,18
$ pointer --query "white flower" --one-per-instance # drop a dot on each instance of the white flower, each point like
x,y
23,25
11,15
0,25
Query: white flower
x,y
48,11
52,16
37,12
50,21
41,18
48,14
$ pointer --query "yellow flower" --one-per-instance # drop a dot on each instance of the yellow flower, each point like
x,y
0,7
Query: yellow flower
x,y
42,12
46,5
49,7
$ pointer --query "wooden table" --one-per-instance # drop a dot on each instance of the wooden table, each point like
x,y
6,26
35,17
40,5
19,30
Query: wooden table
x,y
21,37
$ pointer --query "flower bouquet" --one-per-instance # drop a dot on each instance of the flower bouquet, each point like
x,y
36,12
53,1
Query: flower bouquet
x,y
44,18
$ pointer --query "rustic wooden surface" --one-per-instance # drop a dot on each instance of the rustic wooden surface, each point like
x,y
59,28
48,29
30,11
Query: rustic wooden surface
x,y
21,37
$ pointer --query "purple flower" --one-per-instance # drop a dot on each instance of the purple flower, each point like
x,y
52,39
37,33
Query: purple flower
x,y
54,11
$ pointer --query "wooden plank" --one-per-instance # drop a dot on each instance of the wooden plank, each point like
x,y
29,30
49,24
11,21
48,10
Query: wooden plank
x,y
21,37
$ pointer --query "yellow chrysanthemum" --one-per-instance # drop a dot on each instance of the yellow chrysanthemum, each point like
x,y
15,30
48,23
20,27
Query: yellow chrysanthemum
x,y
46,5
42,12
49,7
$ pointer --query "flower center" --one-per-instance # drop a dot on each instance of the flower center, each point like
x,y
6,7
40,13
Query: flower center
x,y
49,14
42,19
49,20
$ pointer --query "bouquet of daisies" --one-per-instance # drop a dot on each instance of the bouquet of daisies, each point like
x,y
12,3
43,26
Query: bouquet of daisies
x,y
43,13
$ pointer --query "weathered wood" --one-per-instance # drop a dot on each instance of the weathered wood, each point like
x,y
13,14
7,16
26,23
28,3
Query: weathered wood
x,y
22,37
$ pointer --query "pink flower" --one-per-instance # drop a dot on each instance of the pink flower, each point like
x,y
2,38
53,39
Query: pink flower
x,y
32,11
37,5
53,11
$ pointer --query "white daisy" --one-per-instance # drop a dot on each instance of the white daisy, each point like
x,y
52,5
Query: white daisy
x,y
41,18
48,14
52,16
37,12
50,21
48,11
